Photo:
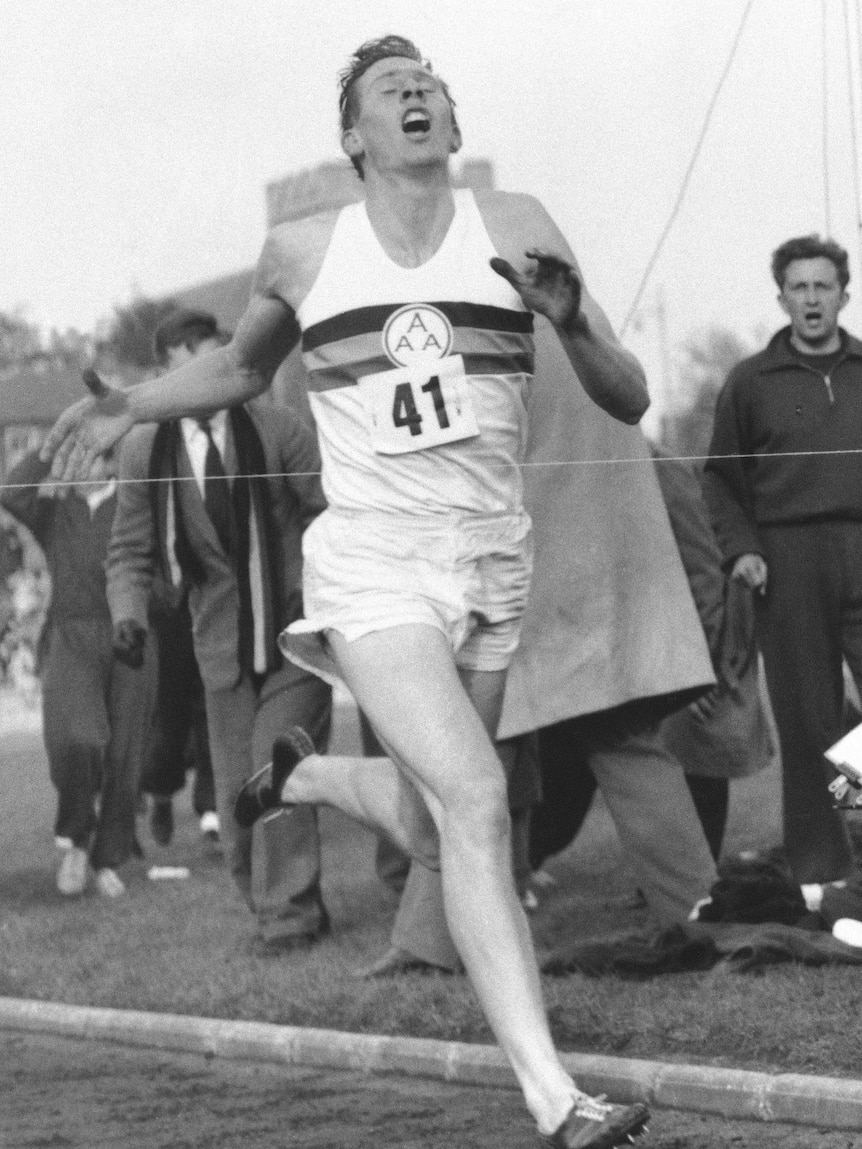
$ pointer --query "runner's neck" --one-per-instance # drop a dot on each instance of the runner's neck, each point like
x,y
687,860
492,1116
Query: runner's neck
x,y
409,219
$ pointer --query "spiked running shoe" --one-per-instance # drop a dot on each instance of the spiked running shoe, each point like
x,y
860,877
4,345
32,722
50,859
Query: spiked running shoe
x,y
595,1124
262,791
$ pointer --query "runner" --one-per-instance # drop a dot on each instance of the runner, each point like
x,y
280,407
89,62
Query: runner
x,y
414,310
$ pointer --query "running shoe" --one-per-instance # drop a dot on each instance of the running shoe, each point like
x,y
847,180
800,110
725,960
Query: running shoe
x,y
262,791
593,1123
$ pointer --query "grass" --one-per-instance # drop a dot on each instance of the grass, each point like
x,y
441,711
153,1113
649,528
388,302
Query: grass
x,y
183,946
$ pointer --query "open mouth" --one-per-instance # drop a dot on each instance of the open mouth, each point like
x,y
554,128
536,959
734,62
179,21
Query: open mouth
x,y
416,123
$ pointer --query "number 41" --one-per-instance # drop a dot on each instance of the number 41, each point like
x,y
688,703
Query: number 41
x,y
405,413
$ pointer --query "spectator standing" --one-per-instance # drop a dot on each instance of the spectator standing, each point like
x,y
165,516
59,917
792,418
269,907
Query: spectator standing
x,y
237,548
96,703
784,484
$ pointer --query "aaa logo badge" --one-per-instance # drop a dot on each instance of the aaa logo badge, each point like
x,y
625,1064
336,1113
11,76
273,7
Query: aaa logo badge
x,y
415,332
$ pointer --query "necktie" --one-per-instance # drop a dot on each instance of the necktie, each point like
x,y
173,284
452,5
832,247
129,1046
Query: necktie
x,y
216,493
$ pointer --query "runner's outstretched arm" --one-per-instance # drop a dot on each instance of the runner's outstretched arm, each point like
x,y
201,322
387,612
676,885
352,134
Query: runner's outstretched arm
x,y
226,377
551,284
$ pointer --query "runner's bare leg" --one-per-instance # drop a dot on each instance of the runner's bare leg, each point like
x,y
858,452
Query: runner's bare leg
x,y
374,792
405,680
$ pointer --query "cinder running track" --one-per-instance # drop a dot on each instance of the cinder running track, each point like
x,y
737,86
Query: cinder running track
x,y
81,1094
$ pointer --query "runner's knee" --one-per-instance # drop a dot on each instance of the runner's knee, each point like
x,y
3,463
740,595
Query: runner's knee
x,y
480,816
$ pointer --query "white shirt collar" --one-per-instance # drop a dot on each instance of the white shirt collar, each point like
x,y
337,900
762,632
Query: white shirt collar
x,y
197,442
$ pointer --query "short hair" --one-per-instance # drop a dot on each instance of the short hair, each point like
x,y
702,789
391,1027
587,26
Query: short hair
x,y
185,327
383,48
810,247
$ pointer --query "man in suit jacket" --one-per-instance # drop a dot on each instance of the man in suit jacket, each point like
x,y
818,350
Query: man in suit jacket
x,y
220,506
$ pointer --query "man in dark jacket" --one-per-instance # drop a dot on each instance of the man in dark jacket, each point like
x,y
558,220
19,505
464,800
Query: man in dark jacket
x,y
784,484
219,507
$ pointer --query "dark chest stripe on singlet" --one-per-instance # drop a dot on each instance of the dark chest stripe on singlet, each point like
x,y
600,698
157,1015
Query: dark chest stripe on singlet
x,y
364,320
492,341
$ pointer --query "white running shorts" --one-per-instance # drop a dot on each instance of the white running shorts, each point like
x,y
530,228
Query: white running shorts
x,y
466,575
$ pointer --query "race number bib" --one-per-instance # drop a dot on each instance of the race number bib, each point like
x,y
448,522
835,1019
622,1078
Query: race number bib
x,y
423,405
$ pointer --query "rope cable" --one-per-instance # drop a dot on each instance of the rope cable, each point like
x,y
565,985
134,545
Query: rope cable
x,y
824,29
686,179
854,122
524,466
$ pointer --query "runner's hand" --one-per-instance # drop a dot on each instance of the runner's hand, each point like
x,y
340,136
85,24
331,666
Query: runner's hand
x,y
552,287
87,429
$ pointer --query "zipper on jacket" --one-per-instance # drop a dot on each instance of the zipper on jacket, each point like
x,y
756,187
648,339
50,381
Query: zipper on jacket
x,y
827,379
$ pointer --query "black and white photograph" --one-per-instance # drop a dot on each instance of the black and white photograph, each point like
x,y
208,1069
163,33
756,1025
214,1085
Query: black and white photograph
x,y
431,574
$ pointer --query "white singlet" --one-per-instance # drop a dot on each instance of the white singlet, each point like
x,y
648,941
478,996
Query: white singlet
x,y
417,375
416,382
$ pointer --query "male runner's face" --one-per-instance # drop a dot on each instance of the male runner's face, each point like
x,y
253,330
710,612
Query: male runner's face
x,y
404,117
812,297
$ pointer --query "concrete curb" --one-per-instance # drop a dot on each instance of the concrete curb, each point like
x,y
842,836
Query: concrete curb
x,y
828,1102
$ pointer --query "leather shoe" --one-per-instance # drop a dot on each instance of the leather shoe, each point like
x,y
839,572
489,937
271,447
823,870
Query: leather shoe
x,y
162,820
284,944
397,961
593,1123
262,791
